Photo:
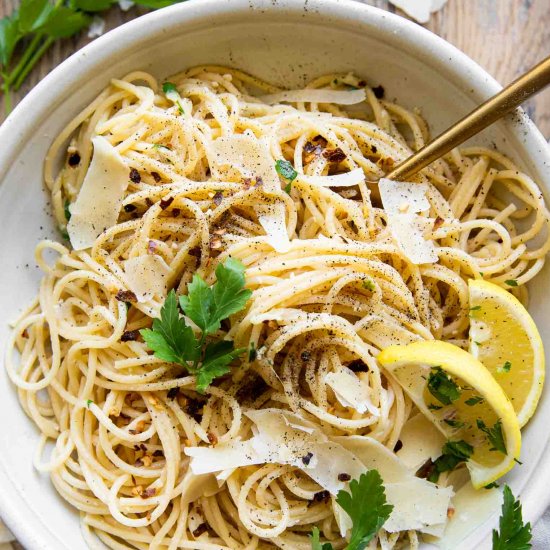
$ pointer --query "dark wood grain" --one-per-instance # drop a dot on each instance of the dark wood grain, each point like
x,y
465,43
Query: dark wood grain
x,y
504,36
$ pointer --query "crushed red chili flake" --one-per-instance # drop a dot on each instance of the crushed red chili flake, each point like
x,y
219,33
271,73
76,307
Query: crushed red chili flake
x,y
361,83
25,334
156,177
151,247
379,92
426,470
126,296
148,201
74,160
212,438
135,176
321,496
176,212
450,512
173,393
374,149
130,207
398,446
158,453
195,251
149,492
129,336
165,203
320,140
344,477
358,365
247,182
259,182
438,222
218,198
334,155
307,458
138,462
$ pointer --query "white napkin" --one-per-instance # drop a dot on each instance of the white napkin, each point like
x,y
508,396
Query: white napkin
x,y
541,532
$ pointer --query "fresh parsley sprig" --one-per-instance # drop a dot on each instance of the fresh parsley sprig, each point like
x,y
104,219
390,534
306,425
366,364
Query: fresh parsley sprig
x,y
494,435
366,505
174,341
38,24
453,453
513,534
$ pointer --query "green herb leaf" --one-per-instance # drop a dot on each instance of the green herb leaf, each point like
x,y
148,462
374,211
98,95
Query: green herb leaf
x,y
316,541
171,339
494,435
366,506
442,386
286,170
155,4
9,36
252,353
453,453
66,210
288,188
474,401
169,88
217,357
369,285
33,14
513,535
91,5
493,485
453,423
511,282
505,368
475,308
433,407
88,403
63,22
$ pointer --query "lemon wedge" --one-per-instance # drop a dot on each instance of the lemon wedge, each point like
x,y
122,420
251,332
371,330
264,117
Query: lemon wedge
x,y
459,395
504,337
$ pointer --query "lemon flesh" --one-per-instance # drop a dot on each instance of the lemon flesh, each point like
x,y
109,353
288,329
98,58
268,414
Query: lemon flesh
x,y
504,337
480,399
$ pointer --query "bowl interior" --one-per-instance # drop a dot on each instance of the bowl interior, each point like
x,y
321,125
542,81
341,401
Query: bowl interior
x,y
286,42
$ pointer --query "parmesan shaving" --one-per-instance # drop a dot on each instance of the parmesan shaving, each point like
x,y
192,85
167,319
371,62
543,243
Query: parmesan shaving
x,y
147,276
408,232
100,198
348,179
339,97
351,391
249,157
403,196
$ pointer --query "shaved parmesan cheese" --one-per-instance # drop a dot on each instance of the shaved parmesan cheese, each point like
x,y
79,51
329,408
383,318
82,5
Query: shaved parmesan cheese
x,y
400,197
351,391
339,97
472,508
147,276
195,486
100,197
250,158
347,179
417,504
419,9
421,441
408,232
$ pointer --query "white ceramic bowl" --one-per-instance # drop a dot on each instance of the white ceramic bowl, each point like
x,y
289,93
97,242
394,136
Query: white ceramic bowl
x,y
284,41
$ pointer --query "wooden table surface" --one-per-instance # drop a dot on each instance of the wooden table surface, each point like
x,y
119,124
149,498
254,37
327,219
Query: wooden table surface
x,y
506,37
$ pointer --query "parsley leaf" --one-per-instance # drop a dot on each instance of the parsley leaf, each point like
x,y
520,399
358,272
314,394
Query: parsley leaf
x,y
442,387
67,210
511,282
169,88
316,542
505,368
32,14
174,341
492,485
474,400
217,357
171,339
91,5
453,453
494,435
368,285
513,535
286,170
63,22
366,506
475,308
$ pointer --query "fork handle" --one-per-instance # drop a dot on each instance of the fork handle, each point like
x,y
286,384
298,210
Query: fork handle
x,y
494,108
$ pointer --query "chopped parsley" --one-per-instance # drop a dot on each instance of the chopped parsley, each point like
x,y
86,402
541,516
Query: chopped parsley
x,y
453,453
286,170
433,407
494,435
505,368
288,188
368,284
252,353
442,386
511,282
493,485
174,341
474,400
169,88
475,308
88,403
454,423
66,210
513,534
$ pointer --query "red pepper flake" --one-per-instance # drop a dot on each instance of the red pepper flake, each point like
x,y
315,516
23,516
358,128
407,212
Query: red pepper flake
x,y
151,247
259,182
379,92
148,201
438,222
148,493
156,177
173,393
450,512
334,155
320,140
358,365
138,462
176,212
218,198
129,336
202,528
135,176
247,182
344,477
374,149
74,160
307,458
195,251
321,496
158,453
130,207
126,296
25,334
165,203
212,438
398,446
